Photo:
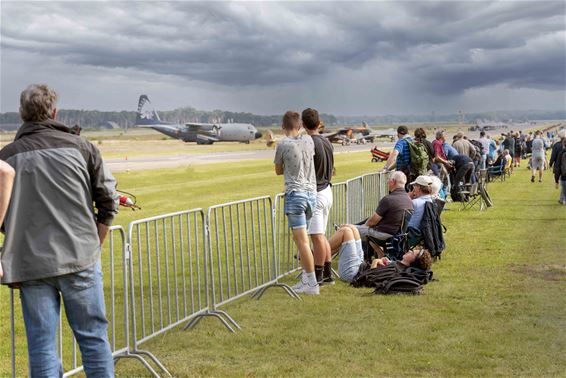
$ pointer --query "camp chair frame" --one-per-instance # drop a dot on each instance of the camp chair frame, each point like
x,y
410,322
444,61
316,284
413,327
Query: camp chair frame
x,y
387,245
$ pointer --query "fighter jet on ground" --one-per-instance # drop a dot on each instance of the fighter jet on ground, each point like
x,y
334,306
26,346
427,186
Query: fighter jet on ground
x,y
360,135
201,133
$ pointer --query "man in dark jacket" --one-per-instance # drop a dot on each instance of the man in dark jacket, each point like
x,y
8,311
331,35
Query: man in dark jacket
x,y
53,236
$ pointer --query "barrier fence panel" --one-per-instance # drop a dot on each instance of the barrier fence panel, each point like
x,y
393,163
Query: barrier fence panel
x,y
241,250
168,275
384,189
113,263
355,200
372,192
287,261
339,212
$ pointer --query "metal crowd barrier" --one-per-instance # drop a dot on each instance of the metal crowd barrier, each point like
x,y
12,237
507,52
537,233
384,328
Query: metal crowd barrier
x,y
241,251
113,262
371,191
180,267
168,275
355,200
339,211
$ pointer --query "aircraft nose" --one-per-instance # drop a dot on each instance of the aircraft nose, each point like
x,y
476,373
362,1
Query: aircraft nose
x,y
257,135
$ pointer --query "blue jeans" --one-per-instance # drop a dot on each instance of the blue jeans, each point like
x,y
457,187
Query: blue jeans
x,y
299,207
84,306
563,191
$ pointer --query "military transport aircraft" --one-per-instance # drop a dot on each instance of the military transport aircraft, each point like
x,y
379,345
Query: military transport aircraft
x,y
201,133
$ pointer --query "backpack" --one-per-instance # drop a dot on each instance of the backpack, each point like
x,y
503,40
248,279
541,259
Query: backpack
x,y
432,230
479,148
419,158
392,279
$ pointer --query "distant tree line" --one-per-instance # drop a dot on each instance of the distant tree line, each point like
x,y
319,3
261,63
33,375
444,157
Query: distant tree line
x,y
126,119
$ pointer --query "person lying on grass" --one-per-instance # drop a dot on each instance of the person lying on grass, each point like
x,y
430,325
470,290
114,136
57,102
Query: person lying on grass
x,y
347,241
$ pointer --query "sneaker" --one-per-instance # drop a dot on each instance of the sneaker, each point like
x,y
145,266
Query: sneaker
x,y
532,178
327,281
539,180
305,288
298,285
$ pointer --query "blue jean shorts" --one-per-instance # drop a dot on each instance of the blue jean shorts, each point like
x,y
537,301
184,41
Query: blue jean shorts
x,y
299,207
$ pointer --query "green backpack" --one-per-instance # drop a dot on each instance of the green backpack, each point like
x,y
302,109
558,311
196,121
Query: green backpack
x,y
419,158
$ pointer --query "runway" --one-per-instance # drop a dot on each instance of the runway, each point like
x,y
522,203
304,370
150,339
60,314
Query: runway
x,y
180,160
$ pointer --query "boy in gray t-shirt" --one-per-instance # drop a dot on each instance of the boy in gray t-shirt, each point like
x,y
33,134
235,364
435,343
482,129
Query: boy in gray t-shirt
x,y
294,159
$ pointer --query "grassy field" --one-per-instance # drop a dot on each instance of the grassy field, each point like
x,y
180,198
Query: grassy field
x,y
496,309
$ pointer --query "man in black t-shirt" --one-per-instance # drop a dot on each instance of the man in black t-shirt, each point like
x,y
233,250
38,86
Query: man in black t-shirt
x,y
324,168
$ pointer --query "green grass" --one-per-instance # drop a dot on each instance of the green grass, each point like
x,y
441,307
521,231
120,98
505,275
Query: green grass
x,y
496,309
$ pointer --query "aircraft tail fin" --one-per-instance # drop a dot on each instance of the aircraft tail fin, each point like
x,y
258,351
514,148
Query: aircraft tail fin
x,y
146,114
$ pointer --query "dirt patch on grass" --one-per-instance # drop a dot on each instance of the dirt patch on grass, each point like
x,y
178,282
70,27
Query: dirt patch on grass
x,y
548,272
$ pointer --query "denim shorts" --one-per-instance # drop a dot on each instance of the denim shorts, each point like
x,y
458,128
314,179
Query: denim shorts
x,y
299,207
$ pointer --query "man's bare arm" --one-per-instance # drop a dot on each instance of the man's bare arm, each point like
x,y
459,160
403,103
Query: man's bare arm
x,y
279,169
373,220
391,161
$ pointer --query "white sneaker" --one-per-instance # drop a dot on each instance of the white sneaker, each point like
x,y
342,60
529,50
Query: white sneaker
x,y
298,285
305,288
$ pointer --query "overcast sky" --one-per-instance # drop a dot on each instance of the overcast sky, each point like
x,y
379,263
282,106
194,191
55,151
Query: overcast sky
x,y
344,58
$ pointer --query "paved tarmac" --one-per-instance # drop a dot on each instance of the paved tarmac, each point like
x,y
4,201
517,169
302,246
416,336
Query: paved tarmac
x,y
180,160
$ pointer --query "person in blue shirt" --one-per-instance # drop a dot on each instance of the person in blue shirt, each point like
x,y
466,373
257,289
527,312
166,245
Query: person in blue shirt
x,y
420,194
449,151
400,157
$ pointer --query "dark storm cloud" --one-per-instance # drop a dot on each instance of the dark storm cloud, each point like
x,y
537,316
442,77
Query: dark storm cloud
x,y
443,47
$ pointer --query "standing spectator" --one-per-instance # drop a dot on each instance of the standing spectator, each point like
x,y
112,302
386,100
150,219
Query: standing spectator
x,y
6,183
324,169
400,157
59,176
294,160
441,162
420,137
464,146
561,170
538,159
484,140
492,148
554,162
518,151
509,144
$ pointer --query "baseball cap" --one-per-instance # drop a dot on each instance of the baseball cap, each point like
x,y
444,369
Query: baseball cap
x,y
402,130
422,180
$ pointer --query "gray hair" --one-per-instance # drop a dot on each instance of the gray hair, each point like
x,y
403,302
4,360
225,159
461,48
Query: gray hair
x,y
439,134
399,178
37,103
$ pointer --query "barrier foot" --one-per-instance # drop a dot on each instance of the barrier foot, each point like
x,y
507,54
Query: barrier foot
x,y
155,360
217,314
139,358
259,293
335,273
228,317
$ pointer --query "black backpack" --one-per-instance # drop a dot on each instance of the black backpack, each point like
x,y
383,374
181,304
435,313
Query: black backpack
x,y
432,230
561,163
392,279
